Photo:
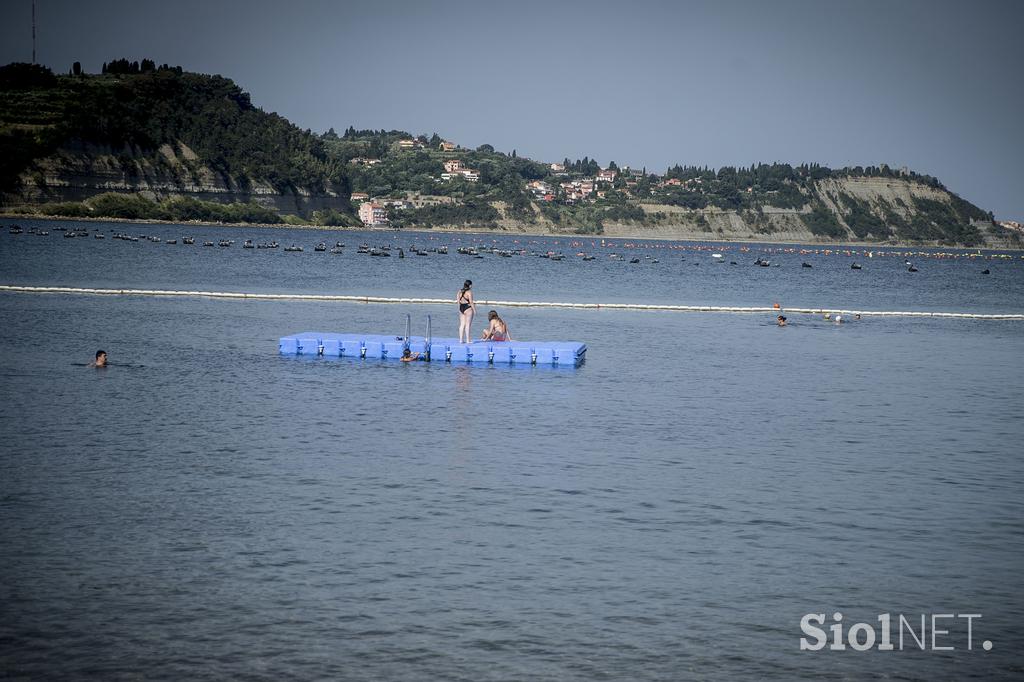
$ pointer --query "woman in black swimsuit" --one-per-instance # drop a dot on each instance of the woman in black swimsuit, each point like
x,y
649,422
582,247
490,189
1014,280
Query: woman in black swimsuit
x,y
467,308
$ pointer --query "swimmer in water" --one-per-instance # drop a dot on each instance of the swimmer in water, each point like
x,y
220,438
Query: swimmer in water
x,y
781,320
101,359
409,356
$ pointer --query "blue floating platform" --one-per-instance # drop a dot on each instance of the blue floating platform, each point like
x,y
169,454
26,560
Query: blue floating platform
x,y
383,347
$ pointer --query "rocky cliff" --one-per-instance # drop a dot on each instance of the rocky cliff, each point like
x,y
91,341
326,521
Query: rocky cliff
x,y
889,206
79,170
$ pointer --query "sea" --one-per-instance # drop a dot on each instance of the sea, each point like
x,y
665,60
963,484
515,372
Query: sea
x,y
708,496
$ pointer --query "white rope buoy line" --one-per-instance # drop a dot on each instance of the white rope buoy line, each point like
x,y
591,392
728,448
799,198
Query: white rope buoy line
x,y
509,304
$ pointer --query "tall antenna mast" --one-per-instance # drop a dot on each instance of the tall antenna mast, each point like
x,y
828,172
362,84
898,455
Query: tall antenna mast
x,y
33,31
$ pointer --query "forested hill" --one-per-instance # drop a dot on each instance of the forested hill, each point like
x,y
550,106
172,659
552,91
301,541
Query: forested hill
x,y
142,141
154,128
451,185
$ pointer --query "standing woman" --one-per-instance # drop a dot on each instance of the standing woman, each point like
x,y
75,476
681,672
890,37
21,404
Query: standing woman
x,y
467,308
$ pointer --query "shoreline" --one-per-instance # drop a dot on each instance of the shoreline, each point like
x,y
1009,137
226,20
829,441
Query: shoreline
x,y
508,232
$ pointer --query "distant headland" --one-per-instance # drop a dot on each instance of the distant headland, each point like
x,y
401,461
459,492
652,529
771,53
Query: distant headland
x,y
145,142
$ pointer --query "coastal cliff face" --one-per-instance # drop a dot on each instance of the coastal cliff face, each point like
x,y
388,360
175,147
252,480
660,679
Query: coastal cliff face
x,y
889,202
785,226
80,170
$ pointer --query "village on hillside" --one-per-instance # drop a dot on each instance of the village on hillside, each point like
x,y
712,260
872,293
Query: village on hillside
x,y
399,180
560,187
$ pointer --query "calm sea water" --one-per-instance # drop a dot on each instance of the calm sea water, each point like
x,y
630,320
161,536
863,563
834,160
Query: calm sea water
x,y
206,509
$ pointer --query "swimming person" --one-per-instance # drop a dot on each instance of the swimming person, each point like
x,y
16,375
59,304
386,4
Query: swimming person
x,y
409,356
781,320
496,329
467,308
101,359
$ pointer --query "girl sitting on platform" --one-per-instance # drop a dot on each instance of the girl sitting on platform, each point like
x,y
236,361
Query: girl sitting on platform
x,y
496,329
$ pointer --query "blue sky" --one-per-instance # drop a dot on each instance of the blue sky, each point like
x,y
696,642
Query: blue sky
x,y
935,86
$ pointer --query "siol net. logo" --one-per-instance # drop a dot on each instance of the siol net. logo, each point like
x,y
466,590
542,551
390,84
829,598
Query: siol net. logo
x,y
926,632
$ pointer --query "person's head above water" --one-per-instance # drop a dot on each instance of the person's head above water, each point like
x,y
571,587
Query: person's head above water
x,y
101,358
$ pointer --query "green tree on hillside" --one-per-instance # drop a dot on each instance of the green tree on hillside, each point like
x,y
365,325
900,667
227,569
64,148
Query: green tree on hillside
x,y
144,107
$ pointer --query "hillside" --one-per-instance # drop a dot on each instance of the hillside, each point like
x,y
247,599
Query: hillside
x,y
159,132
433,183
145,142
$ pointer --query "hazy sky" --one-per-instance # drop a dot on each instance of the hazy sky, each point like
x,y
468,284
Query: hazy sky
x,y
933,85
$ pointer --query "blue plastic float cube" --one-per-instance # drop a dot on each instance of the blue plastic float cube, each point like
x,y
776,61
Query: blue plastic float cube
x,y
378,338
501,354
565,355
438,352
459,352
309,345
289,345
545,355
393,349
374,349
521,354
479,352
351,347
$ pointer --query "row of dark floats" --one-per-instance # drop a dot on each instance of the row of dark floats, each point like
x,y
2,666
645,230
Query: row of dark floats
x,y
386,250
383,251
